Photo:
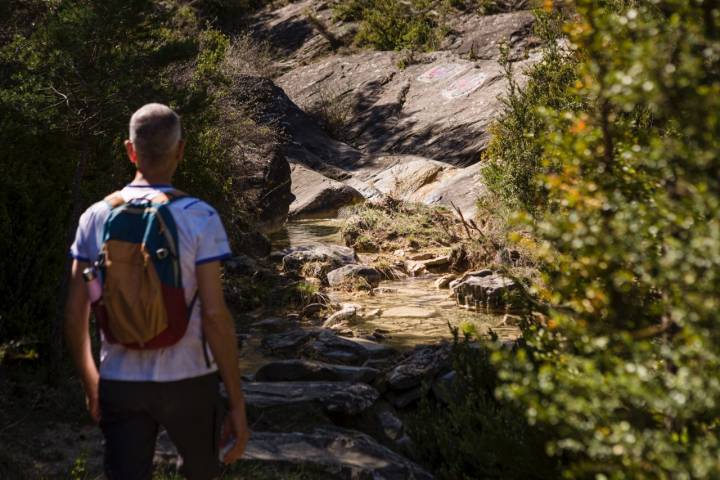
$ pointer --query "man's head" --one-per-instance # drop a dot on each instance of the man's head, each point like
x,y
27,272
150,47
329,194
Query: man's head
x,y
155,145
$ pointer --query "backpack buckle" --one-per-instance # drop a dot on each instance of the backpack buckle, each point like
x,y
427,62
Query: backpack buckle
x,y
162,253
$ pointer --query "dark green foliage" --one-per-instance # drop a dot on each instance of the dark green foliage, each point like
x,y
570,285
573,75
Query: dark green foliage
x,y
475,436
514,156
72,73
624,372
394,25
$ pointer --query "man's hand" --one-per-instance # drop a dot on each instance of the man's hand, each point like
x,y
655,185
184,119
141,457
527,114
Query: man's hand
x,y
235,430
77,336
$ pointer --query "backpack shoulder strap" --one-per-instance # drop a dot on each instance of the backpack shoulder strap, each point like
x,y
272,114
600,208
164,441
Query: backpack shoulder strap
x,y
115,199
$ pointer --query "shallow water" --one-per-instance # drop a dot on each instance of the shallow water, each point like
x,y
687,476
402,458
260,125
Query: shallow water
x,y
428,314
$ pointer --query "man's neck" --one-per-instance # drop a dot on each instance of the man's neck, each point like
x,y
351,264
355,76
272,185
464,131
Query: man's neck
x,y
142,179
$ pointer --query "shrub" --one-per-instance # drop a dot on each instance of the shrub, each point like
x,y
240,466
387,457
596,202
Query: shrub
x,y
514,156
473,435
625,375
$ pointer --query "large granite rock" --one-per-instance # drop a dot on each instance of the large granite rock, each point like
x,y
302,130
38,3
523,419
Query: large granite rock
x,y
488,293
334,256
423,363
348,273
331,348
344,454
415,132
334,397
287,344
308,370
317,196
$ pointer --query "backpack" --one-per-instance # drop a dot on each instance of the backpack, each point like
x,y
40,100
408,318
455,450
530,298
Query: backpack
x,y
143,304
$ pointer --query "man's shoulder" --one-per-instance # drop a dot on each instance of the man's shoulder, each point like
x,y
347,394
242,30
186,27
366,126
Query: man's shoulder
x,y
193,206
97,210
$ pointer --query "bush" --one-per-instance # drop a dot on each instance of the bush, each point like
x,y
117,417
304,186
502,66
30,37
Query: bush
x,y
624,374
72,74
475,436
514,156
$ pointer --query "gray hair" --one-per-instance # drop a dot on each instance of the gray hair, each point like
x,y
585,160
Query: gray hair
x,y
155,131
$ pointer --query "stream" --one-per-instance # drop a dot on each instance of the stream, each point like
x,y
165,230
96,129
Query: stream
x,y
407,312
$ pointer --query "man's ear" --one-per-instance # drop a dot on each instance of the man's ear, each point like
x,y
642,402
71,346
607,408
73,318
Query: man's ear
x,y
180,150
131,153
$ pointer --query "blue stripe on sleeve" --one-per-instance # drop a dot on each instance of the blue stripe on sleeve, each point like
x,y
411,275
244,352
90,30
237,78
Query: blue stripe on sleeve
x,y
78,257
224,256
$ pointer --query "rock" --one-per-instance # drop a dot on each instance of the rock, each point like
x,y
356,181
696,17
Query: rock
x,y
382,423
330,348
408,312
335,397
423,363
307,370
327,258
347,273
479,273
507,257
443,387
421,256
375,312
317,196
443,282
401,399
375,350
511,320
415,269
287,344
384,290
346,314
274,325
488,293
312,309
437,262
343,454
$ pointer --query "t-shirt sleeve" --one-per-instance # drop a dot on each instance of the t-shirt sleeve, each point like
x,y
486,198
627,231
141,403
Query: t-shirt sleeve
x,y
81,248
213,242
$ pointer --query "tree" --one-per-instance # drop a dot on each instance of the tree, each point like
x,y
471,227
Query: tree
x,y
626,370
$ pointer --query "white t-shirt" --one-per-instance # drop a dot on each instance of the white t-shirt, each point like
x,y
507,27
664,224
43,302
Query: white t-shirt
x,y
202,239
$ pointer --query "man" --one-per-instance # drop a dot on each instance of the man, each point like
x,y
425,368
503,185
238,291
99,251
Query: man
x,y
177,387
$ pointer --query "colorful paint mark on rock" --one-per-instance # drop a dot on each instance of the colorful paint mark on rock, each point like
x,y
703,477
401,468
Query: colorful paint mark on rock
x,y
441,72
465,85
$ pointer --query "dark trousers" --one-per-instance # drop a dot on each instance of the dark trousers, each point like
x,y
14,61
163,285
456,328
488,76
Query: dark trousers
x,y
191,411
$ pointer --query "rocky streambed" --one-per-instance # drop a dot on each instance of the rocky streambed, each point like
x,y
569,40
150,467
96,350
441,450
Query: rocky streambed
x,y
328,386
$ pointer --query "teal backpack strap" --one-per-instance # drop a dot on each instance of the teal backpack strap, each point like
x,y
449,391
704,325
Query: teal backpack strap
x,y
202,332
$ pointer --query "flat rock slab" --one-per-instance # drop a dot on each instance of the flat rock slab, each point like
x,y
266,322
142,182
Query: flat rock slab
x,y
317,196
347,273
335,397
334,255
308,370
423,363
346,454
288,343
489,293
328,347
408,312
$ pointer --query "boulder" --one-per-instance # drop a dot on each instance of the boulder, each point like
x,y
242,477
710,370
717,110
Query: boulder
x,y
347,273
343,454
317,196
334,256
274,325
334,397
287,344
331,348
312,309
443,282
403,398
307,370
423,363
491,293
